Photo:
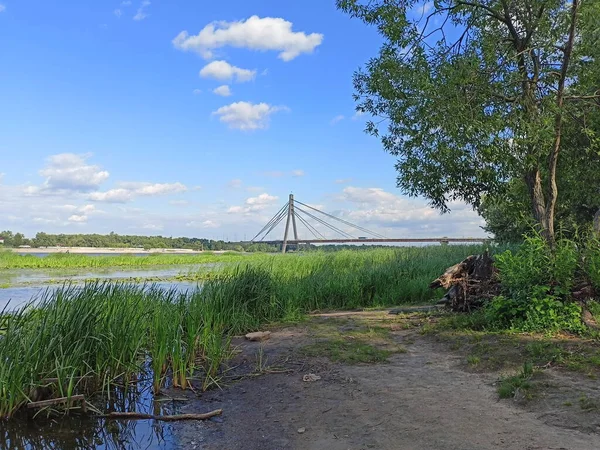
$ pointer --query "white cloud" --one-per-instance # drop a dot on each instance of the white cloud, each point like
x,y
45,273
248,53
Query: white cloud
x,y
196,92
126,3
235,183
78,218
357,115
2,8
141,12
375,206
223,91
298,173
246,115
203,224
1,176
160,188
88,209
255,33
69,172
262,199
336,119
222,70
152,226
128,191
424,8
112,196
254,204
117,12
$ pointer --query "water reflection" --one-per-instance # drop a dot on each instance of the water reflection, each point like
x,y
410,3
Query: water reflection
x,y
88,432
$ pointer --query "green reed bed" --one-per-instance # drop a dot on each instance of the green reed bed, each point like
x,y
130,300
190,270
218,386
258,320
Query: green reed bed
x,y
89,338
10,260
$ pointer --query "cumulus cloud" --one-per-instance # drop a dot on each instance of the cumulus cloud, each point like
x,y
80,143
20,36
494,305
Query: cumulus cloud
x,y
254,204
254,33
142,11
69,172
112,196
196,92
375,206
337,119
88,209
246,115
126,3
223,91
298,173
222,70
128,191
78,218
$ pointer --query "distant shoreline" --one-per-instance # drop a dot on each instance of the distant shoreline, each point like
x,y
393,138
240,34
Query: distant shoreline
x,y
108,251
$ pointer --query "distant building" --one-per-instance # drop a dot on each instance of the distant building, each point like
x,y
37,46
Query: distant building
x,y
1,240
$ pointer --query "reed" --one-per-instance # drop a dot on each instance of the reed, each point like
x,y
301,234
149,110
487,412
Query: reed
x,y
89,338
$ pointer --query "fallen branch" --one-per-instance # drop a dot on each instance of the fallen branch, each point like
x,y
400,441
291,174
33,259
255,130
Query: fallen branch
x,y
58,401
141,416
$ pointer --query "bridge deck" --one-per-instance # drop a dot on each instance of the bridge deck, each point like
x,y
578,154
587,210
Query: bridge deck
x,y
358,241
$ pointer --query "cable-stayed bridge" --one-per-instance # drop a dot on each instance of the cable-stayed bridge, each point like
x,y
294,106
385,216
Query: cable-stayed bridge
x,y
294,212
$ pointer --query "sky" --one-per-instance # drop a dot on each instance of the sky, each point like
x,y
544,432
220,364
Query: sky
x,y
192,118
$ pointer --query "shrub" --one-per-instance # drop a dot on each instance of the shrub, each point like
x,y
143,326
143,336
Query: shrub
x,y
537,282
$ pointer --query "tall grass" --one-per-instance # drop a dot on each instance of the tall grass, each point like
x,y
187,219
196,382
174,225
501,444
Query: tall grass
x,y
89,338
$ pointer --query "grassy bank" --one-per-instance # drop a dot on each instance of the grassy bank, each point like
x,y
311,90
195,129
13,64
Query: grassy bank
x,y
10,260
89,338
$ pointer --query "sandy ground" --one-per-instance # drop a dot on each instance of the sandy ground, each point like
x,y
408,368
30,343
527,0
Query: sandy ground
x,y
421,399
105,250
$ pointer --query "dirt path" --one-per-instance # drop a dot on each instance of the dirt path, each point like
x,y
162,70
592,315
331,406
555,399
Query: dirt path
x,y
420,399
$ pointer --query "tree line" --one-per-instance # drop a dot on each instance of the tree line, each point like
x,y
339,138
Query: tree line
x,y
114,240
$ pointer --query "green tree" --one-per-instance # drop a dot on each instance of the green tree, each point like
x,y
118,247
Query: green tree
x,y
476,93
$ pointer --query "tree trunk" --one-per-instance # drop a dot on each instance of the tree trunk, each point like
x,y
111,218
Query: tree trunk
x,y
560,99
597,223
533,179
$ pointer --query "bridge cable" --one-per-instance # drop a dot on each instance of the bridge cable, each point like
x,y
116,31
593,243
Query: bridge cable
x,y
312,229
275,223
332,227
269,223
343,221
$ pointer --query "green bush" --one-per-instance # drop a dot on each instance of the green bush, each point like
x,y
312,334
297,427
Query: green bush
x,y
537,282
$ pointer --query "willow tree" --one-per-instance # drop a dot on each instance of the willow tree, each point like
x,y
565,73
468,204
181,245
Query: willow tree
x,y
472,94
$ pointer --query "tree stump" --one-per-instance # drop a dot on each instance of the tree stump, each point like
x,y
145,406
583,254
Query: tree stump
x,y
469,283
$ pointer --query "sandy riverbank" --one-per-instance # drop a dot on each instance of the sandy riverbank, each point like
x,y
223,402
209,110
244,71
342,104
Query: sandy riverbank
x,y
105,250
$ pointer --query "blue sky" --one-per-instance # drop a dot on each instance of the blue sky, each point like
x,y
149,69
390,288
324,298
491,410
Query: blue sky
x,y
191,118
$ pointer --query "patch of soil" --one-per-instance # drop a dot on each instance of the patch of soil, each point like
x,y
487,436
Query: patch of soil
x,y
421,399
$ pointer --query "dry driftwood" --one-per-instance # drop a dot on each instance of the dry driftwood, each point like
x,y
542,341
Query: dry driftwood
x,y
468,283
140,416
